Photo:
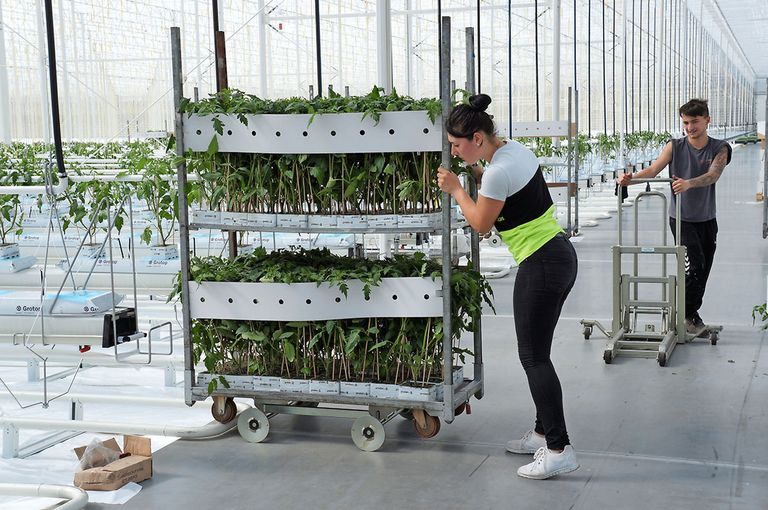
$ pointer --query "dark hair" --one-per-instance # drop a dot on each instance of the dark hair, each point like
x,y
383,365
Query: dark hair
x,y
695,108
467,119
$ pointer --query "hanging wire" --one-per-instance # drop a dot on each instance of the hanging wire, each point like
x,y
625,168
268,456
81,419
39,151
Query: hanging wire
x,y
640,72
655,68
479,46
589,68
605,93
613,73
509,63
632,71
626,96
536,53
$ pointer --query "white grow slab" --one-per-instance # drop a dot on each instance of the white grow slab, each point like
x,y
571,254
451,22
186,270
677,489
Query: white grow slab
x,y
326,133
74,302
394,297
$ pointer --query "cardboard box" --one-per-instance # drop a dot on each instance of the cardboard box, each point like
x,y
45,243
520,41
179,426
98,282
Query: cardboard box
x,y
136,467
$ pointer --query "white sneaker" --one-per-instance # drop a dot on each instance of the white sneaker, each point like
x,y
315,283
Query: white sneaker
x,y
547,464
529,443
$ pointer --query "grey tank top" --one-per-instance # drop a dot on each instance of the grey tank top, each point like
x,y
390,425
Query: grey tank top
x,y
698,204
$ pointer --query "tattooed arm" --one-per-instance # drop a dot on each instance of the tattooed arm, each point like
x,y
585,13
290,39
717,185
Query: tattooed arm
x,y
711,177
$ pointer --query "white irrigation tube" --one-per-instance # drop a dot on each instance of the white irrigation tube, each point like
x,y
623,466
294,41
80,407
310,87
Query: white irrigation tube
x,y
36,190
78,498
112,175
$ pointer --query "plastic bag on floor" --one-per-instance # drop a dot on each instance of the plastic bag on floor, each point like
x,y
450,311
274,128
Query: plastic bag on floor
x,y
97,455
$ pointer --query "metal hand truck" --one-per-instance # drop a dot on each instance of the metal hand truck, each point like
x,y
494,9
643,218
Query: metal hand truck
x,y
624,338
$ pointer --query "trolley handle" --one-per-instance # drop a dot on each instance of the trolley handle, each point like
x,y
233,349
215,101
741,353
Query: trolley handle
x,y
653,179
677,205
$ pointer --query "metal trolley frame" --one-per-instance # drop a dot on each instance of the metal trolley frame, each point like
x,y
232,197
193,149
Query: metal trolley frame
x,y
369,413
624,339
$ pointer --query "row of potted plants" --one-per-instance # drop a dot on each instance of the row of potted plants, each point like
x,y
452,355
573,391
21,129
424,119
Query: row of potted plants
x,y
602,145
156,191
327,184
238,103
370,350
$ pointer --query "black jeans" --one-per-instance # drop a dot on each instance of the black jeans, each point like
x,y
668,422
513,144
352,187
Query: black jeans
x,y
543,282
700,241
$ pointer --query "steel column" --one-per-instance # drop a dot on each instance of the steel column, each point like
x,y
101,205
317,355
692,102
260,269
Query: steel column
x,y
474,236
384,44
445,99
181,176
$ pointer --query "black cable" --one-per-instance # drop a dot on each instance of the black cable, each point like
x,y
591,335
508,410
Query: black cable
x,y
317,47
215,16
61,170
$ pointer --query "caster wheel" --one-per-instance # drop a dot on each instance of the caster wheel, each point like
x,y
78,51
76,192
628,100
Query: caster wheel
x,y
713,338
587,332
608,357
430,429
662,359
228,413
407,414
368,433
460,410
253,425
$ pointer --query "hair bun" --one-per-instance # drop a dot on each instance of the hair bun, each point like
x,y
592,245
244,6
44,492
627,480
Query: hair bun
x,y
480,102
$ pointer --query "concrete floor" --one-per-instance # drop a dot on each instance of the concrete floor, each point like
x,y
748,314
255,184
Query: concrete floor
x,y
691,435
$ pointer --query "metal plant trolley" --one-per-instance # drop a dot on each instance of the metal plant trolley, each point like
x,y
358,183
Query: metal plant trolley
x,y
232,300
624,338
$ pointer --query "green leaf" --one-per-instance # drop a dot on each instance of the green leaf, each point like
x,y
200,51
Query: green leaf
x,y
218,126
213,146
290,351
146,236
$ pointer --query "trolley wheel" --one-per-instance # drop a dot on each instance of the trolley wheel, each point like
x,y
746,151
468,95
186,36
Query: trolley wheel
x,y
608,356
228,413
430,429
460,410
713,338
407,414
368,433
253,425
587,332
662,359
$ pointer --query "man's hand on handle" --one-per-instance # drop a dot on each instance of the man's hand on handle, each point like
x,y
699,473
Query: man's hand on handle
x,y
680,185
625,179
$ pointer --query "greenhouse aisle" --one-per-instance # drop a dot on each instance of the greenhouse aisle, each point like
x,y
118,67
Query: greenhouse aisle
x,y
687,436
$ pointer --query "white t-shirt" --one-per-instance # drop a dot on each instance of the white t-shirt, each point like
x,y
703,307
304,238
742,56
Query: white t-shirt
x,y
511,168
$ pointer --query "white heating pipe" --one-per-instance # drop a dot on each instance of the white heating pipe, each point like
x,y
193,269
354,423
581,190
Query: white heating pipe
x,y
105,399
78,498
212,429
